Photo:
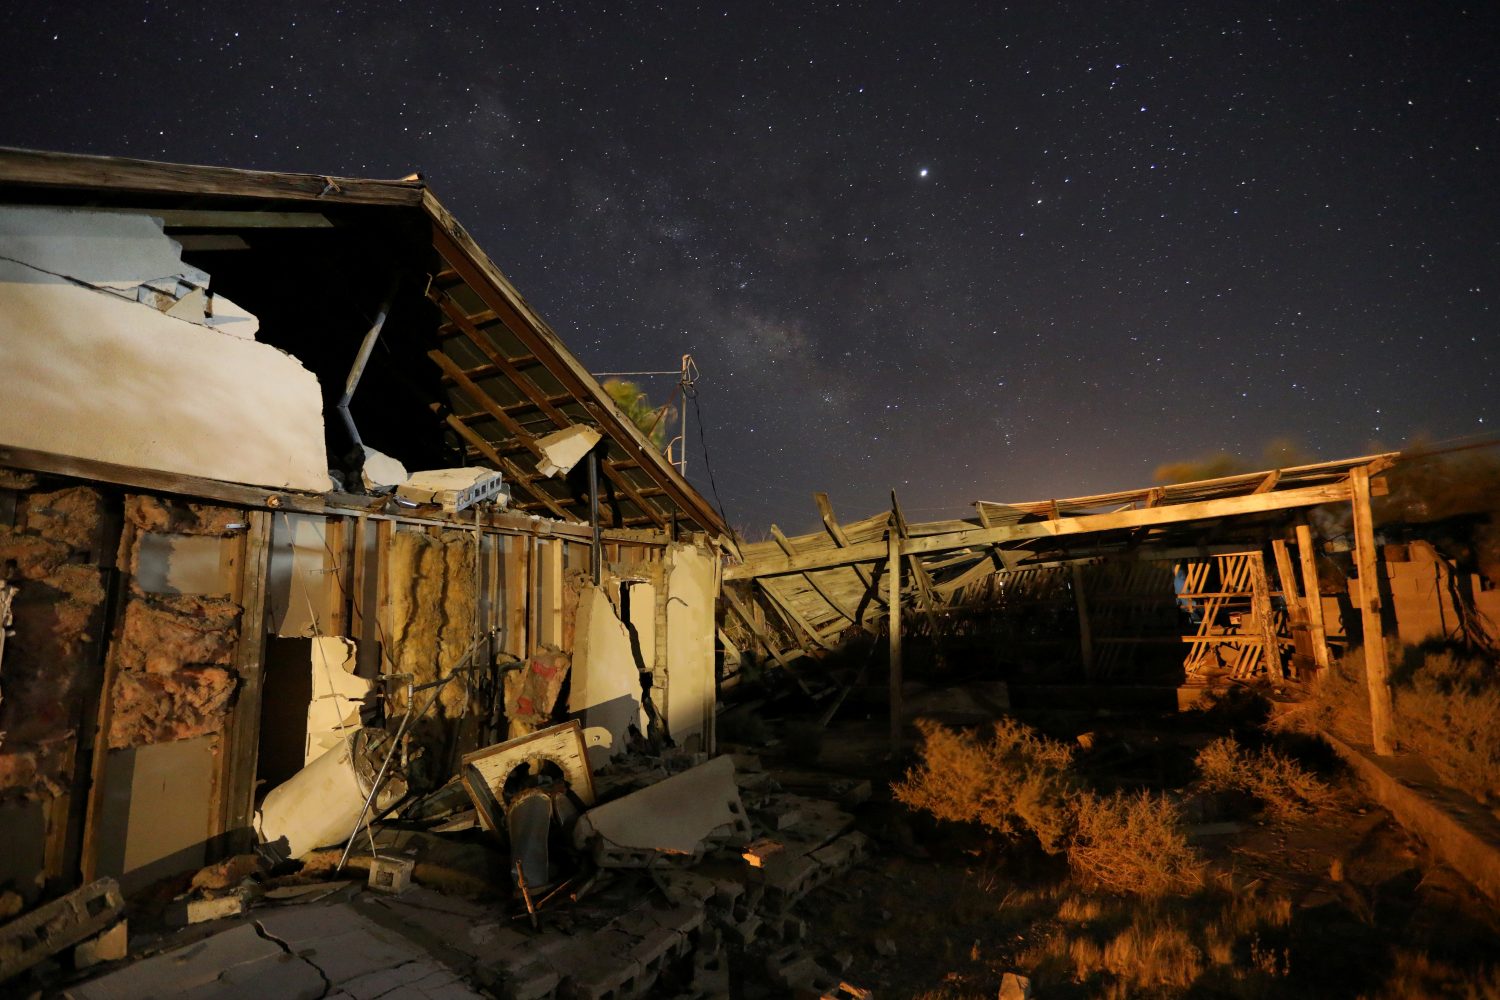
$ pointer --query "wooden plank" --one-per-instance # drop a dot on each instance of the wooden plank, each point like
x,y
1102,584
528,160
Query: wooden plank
x,y
840,539
1377,670
1309,496
786,546
1316,626
241,736
922,582
748,617
796,618
893,631
117,173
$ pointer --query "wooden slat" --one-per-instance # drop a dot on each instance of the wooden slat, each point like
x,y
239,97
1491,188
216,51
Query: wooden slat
x,y
241,736
1311,588
812,581
532,391
893,633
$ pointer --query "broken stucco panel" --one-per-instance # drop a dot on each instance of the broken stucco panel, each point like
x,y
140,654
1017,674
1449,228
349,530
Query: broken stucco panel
x,y
49,559
606,681
692,591
89,374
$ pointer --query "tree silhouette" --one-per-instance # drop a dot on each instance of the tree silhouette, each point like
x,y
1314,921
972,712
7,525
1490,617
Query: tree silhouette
x,y
654,421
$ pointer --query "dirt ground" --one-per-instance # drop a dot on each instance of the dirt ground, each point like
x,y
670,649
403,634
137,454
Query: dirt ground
x,y
1337,903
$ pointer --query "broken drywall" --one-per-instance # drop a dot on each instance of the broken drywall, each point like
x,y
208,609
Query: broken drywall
x,y
605,691
692,591
90,374
155,811
337,696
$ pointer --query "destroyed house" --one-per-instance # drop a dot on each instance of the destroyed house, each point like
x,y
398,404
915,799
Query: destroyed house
x,y
284,456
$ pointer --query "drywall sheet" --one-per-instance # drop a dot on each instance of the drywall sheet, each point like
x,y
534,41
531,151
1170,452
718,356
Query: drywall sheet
x,y
605,691
302,586
113,250
92,375
185,564
155,818
692,590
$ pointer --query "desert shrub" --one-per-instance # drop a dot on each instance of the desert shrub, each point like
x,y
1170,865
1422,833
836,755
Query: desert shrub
x,y
1278,783
1010,781
1015,781
1132,844
1447,708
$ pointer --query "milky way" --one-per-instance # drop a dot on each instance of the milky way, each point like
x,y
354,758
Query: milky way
x,y
961,251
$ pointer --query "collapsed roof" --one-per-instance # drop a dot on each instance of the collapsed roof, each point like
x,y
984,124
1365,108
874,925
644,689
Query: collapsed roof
x,y
466,370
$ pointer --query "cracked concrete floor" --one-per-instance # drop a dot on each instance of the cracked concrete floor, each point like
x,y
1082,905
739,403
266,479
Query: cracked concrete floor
x,y
342,951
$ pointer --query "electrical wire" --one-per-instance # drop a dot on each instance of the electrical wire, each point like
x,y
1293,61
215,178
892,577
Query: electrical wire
x,y
690,391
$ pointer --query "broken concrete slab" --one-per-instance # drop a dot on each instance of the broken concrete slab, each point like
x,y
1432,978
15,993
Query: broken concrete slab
x,y
672,818
232,962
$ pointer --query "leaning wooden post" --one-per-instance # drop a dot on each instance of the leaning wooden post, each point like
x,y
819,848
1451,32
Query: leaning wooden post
x,y
1314,601
1085,636
1377,674
893,581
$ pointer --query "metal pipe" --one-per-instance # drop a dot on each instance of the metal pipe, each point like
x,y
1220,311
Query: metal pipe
x,y
357,371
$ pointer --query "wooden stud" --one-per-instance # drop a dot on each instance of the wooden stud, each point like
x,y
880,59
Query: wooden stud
x,y
1265,616
1314,606
1377,671
241,736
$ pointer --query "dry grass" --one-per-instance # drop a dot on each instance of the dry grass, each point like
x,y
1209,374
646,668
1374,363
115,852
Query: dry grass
x,y
1124,950
1447,711
1281,785
1418,974
1016,781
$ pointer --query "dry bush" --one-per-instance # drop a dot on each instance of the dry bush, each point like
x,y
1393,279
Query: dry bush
x,y
1017,781
1419,974
1132,844
1280,784
1014,780
1447,708
1215,941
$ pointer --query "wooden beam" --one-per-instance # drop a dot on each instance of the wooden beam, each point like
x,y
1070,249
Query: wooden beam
x,y
893,602
748,617
920,579
1265,616
1377,671
1269,483
471,264
1315,624
508,467
528,388
836,532
241,737
1309,496
796,617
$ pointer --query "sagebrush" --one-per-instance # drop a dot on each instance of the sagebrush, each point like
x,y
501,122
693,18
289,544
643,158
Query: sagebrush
x,y
1280,784
1015,781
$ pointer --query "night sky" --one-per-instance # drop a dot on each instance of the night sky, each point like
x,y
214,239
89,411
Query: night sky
x,y
965,251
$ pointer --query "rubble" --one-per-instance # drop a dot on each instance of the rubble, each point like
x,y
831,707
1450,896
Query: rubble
x,y
49,929
671,818
325,802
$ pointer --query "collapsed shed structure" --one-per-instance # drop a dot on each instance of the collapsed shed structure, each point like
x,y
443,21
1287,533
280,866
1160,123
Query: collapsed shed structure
x,y
215,563
1216,577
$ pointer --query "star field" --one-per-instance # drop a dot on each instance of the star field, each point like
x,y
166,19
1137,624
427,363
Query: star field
x,y
959,250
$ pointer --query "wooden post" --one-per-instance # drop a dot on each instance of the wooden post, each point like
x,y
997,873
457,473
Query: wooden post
x,y
1085,634
1315,626
893,581
1296,608
1377,672
1265,617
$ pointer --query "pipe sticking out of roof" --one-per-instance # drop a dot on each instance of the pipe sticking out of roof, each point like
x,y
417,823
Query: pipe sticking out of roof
x,y
366,347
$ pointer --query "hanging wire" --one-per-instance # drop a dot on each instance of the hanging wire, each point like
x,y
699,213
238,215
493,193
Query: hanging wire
x,y
690,391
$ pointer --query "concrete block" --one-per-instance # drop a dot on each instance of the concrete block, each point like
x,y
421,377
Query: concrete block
x,y
187,912
391,875
49,929
111,946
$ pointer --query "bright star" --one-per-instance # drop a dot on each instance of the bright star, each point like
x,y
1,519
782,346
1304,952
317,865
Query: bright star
x,y
922,172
